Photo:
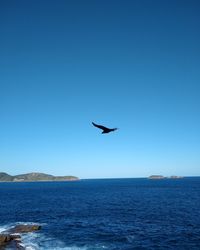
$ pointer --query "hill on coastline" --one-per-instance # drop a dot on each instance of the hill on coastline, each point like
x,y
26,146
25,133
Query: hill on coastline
x,y
35,177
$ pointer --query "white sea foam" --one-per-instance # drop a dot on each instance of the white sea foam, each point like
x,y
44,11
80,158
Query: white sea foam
x,y
39,241
5,227
28,223
2,229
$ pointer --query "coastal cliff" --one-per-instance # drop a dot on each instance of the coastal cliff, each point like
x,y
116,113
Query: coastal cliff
x,y
4,177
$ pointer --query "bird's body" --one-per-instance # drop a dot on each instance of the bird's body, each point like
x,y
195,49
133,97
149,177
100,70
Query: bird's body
x,y
105,129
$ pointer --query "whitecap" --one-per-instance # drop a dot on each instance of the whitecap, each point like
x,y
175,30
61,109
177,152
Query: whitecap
x,y
2,229
5,227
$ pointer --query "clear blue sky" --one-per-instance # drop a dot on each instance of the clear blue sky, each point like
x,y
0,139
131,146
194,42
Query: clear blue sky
x,y
128,64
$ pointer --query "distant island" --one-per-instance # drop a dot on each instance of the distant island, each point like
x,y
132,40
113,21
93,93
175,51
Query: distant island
x,y
159,177
4,177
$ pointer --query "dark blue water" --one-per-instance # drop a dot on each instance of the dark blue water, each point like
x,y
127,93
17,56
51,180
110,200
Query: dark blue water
x,y
112,214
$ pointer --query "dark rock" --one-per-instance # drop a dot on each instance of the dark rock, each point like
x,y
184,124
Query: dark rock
x,y
15,244
9,240
4,238
24,228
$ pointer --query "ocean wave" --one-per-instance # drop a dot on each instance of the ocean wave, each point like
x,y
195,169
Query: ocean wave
x,y
5,227
2,229
39,241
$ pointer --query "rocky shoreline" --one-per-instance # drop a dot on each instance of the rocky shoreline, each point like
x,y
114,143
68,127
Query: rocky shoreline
x,y
12,237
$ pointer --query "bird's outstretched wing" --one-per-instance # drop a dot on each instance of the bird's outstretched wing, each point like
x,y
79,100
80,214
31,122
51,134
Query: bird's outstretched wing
x,y
99,126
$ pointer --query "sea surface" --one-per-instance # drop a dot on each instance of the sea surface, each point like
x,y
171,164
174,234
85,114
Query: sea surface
x,y
124,214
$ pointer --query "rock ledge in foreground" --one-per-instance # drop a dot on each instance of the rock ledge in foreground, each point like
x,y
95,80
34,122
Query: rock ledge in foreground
x,y
11,237
24,229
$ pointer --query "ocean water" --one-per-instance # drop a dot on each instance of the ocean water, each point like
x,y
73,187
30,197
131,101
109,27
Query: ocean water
x,y
124,214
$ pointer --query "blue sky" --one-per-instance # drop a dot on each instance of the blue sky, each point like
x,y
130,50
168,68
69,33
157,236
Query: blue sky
x,y
128,64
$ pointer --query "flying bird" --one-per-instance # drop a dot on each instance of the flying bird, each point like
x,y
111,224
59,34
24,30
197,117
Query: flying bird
x,y
105,130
